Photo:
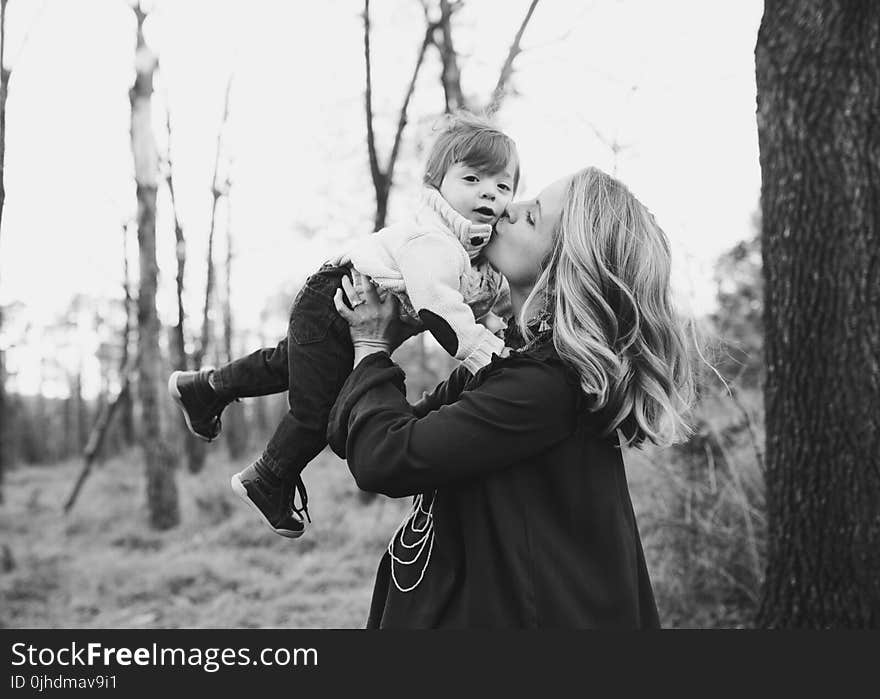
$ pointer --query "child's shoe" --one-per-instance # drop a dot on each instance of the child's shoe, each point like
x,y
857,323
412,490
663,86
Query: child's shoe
x,y
199,403
272,498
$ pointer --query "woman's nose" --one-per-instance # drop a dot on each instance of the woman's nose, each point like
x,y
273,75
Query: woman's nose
x,y
510,214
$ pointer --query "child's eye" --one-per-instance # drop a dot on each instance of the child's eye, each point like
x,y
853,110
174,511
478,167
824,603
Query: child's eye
x,y
503,187
471,178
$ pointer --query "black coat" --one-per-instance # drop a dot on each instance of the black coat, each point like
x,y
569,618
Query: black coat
x,y
533,526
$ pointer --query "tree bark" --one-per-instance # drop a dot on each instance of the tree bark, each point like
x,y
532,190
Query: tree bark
x,y
178,343
162,498
818,79
194,448
216,192
97,436
501,87
383,179
236,430
4,90
127,406
450,74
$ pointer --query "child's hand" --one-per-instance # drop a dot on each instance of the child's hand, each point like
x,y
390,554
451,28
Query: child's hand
x,y
343,260
495,324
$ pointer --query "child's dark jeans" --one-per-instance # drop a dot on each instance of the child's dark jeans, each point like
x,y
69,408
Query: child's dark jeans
x,y
312,363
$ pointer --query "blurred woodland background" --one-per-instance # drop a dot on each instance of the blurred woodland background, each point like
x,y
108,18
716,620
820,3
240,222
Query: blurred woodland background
x,y
190,216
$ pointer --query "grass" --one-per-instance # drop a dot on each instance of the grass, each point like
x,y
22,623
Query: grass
x,y
699,508
101,567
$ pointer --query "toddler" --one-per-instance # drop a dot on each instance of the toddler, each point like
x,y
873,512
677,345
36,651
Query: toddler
x,y
431,262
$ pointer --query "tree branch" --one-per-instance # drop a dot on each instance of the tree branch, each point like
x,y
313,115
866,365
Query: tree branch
x,y
382,178
4,91
450,76
402,119
500,91
375,172
216,192
99,432
179,250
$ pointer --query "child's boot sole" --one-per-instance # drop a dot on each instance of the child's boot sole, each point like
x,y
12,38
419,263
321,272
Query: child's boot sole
x,y
241,491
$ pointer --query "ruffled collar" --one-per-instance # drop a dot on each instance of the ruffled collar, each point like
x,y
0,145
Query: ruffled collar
x,y
514,339
472,236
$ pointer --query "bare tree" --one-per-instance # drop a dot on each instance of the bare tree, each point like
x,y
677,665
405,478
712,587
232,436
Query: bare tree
x,y
383,177
127,406
236,431
178,344
450,76
613,144
194,448
218,189
99,432
162,498
438,33
4,91
5,75
502,86
818,80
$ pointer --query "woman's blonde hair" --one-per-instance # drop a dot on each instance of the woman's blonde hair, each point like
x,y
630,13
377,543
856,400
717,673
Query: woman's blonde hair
x,y
606,284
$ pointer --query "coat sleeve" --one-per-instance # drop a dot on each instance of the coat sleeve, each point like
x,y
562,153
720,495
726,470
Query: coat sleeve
x,y
521,408
431,267
444,394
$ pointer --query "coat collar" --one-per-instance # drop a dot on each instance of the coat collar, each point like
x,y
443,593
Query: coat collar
x,y
472,236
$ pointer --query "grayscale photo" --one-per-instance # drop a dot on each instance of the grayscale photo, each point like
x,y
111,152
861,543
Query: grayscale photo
x,y
435,314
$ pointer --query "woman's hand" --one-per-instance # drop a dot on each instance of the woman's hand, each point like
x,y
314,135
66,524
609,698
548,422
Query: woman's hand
x,y
374,323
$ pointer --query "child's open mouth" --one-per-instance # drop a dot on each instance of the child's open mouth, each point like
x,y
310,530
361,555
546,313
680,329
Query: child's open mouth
x,y
485,211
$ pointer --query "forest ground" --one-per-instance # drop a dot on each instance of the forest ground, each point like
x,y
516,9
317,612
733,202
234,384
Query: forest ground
x,y
100,566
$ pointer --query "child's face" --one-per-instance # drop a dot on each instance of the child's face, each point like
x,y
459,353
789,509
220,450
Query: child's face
x,y
479,196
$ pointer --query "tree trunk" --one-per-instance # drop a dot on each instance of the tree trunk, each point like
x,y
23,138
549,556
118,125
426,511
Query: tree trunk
x,y
450,75
178,341
236,430
97,436
162,499
382,192
194,448
127,407
82,414
383,179
818,79
4,89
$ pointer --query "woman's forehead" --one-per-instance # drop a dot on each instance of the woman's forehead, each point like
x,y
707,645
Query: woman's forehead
x,y
552,197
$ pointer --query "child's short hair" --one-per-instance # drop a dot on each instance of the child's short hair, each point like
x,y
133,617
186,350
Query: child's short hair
x,y
472,140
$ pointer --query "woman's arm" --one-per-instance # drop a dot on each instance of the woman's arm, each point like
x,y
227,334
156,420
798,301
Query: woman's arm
x,y
521,408
444,394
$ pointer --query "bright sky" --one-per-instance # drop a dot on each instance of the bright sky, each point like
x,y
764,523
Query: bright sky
x,y
672,83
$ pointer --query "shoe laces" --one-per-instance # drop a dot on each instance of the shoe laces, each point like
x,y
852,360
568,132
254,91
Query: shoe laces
x,y
303,509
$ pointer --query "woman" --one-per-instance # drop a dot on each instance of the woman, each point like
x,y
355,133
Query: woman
x,y
522,515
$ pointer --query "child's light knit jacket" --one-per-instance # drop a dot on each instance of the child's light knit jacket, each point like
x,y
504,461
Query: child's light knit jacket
x,y
427,262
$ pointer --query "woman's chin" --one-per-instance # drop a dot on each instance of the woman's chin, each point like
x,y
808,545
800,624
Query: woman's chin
x,y
488,253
